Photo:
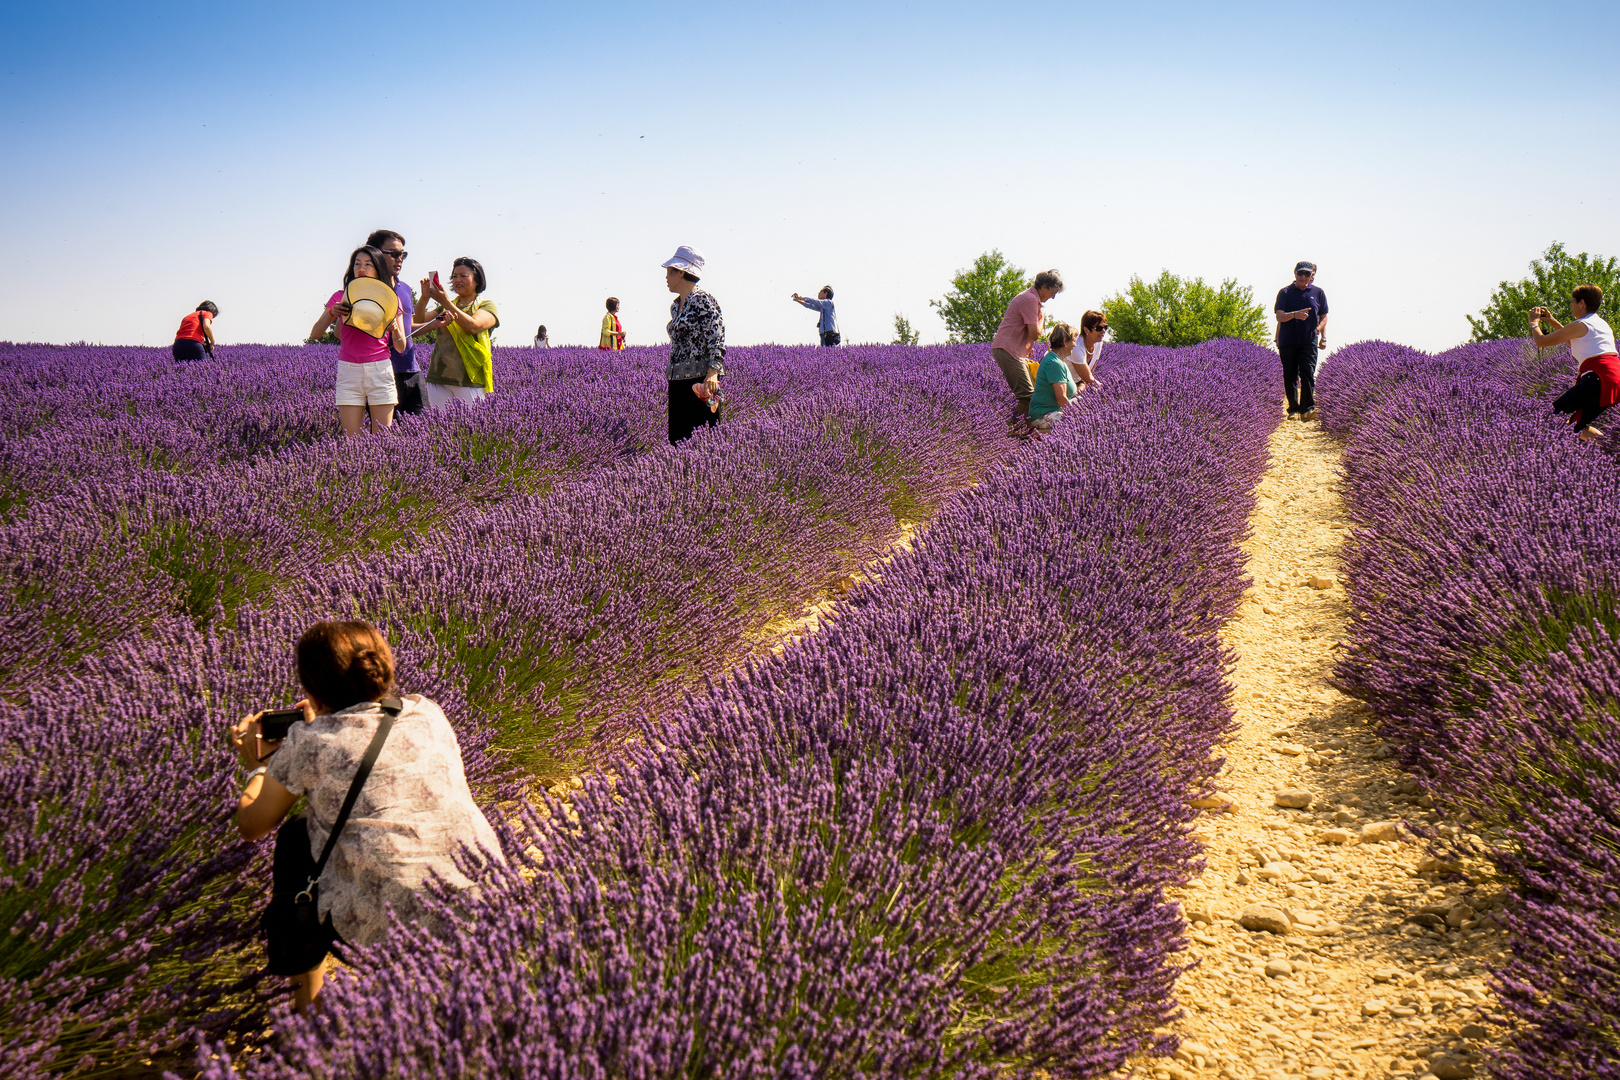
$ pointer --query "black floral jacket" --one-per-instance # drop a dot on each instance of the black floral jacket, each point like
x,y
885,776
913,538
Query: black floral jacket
x,y
697,337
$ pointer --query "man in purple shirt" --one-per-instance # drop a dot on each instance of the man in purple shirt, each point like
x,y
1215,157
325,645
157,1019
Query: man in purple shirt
x,y
407,379
1301,312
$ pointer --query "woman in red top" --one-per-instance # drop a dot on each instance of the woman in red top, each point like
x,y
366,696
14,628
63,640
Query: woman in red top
x,y
196,334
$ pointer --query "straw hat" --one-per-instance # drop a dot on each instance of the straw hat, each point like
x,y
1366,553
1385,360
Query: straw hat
x,y
372,305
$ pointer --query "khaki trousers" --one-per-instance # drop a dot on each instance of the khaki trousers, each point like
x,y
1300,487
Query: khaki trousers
x,y
1016,372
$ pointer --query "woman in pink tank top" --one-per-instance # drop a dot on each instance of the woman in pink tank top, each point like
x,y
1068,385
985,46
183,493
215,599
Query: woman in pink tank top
x,y
365,374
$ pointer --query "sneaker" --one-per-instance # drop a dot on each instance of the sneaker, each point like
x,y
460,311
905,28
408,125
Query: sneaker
x,y
1308,414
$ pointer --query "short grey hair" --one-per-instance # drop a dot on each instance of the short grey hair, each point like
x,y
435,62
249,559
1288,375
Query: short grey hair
x,y
1049,279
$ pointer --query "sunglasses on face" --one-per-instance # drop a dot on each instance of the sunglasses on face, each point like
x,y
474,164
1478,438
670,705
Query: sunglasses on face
x,y
397,256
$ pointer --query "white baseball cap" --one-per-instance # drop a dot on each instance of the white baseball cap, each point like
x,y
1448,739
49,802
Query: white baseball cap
x,y
686,258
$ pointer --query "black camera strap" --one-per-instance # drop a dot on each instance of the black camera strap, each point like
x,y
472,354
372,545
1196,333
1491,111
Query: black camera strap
x,y
391,707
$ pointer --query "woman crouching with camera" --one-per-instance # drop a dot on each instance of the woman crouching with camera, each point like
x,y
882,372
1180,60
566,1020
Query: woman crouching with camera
x,y
387,802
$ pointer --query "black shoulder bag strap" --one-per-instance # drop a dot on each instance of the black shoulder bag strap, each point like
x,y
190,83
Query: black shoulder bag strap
x,y
391,707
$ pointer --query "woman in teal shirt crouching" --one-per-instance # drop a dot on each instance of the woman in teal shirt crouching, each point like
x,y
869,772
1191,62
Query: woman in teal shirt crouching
x,y
1054,381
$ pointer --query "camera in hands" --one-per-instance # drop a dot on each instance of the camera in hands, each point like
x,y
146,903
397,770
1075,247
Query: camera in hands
x,y
274,723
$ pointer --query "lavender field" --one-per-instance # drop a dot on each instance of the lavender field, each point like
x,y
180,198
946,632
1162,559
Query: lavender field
x,y
931,838
1484,569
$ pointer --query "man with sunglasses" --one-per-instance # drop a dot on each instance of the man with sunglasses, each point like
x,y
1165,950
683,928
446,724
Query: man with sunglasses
x,y
1301,311
407,378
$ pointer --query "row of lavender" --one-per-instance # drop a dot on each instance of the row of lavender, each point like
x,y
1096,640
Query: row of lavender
x,y
928,841
1485,572
542,616
115,464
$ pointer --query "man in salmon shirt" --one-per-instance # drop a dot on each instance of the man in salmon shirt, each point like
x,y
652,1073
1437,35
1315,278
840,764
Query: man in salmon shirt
x,y
1020,327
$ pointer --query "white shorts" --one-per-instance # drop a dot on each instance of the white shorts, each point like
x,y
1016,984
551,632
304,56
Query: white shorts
x,y
440,397
366,384
1044,423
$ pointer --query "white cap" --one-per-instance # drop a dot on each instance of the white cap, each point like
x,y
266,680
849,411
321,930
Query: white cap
x,y
686,258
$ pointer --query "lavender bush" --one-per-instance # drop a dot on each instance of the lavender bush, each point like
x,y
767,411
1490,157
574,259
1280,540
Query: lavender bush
x,y
147,606
1484,571
930,840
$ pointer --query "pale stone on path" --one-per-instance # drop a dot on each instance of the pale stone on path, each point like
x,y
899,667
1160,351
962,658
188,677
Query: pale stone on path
x,y
1377,832
1264,917
1294,798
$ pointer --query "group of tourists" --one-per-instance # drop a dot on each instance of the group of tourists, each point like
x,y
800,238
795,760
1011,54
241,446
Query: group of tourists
x,y
1044,388
387,803
377,314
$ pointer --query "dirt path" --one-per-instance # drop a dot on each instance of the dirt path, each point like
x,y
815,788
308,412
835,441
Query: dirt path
x,y
1373,964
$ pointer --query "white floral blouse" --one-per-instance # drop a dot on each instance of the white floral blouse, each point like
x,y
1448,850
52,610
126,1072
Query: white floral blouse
x,y
414,812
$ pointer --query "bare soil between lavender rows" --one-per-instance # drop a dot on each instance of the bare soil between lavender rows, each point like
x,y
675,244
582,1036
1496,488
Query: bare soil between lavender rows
x,y
1366,982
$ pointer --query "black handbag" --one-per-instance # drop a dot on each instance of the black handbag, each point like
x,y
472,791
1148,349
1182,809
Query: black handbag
x,y
295,938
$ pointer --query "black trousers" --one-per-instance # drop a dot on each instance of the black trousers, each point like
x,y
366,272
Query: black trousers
x,y
830,338
186,349
409,385
686,412
1582,400
1299,375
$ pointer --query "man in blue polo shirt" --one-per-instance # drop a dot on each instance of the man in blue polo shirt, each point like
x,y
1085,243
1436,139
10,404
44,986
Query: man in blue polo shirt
x,y
407,379
1301,312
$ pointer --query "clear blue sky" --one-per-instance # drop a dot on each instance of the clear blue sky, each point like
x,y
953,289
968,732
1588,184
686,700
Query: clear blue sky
x,y
159,154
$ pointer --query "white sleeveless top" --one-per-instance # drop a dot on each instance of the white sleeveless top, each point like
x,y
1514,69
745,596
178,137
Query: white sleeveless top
x,y
1597,341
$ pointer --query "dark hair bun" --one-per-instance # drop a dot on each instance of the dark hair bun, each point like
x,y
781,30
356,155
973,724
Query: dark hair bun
x,y
345,663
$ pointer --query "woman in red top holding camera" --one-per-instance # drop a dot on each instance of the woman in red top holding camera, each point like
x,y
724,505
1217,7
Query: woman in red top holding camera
x,y
196,334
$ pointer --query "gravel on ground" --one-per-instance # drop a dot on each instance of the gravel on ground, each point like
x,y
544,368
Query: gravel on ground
x,y
1326,941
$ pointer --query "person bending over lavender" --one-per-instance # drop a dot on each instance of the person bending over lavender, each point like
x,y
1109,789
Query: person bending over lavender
x,y
196,334
697,347
413,812
1088,351
1019,330
1591,341
1054,381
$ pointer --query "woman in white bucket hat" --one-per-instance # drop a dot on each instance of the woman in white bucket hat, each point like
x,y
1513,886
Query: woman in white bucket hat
x,y
697,347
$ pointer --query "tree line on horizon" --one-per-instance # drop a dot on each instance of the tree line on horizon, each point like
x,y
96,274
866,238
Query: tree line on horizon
x,y
1173,311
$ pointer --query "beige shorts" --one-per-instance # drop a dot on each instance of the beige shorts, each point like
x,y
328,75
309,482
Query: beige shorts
x,y
366,384
442,397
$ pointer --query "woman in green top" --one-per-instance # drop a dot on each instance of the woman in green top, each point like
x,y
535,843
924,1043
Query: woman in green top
x,y
1054,382
462,368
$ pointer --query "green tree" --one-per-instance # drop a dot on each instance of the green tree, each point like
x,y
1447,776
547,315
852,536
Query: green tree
x,y
1175,311
973,310
1552,278
903,333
